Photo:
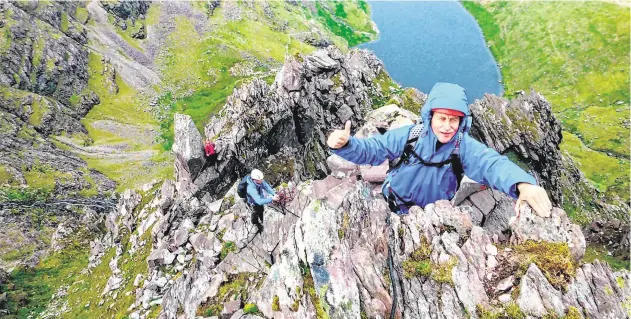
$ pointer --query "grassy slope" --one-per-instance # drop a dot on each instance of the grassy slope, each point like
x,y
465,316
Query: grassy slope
x,y
31,289
124,107
577,56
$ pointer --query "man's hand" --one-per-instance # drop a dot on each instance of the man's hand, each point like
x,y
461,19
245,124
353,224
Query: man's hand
x,y
275,197
339,138
536,196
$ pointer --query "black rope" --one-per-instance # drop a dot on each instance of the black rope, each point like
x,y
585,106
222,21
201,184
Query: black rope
x,y
282,210
391,269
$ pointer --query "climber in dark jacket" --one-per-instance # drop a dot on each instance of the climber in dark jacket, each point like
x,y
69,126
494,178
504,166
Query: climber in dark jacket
x,y
259,194
447,121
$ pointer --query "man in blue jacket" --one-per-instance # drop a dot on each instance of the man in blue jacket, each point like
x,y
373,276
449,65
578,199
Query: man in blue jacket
x,y
259,194
428,174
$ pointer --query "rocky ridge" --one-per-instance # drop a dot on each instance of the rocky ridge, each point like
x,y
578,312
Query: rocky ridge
x,y
330,255
326,253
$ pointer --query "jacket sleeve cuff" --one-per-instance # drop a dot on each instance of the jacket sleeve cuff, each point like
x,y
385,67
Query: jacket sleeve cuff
x,y
343,147
514,191
348,148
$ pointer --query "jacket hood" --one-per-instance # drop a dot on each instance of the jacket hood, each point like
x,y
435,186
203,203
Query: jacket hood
x,y
447,96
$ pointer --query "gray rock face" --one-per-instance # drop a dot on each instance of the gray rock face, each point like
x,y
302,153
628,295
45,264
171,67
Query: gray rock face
x,y
44,90
43,57
537,296
27,120
281,129
160,257
126,9
188,149
525,126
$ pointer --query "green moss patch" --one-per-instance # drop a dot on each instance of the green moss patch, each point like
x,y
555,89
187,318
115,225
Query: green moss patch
x,y
251,309
64,22
383,89
81,14
237,286
553,259
38,51
275,303
5,176
419,264
227,247
508,311
309,287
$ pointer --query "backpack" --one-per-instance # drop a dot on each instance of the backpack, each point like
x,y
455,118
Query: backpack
x,y
408,151
209,148
242,188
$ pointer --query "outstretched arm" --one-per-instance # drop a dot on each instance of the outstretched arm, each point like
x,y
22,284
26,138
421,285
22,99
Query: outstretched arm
x,y
484,165
374,150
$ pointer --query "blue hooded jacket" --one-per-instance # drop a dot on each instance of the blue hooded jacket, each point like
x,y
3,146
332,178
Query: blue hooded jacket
x,y
256,192
422,185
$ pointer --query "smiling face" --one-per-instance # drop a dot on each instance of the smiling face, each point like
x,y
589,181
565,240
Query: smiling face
x,y
445,126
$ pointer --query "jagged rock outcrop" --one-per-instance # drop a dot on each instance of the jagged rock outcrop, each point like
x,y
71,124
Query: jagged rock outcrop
x,y
525,126
129,14
331,256
188,149
126,9
282,128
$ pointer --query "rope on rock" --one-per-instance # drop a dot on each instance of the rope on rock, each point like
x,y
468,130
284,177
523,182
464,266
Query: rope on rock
x,y
391,270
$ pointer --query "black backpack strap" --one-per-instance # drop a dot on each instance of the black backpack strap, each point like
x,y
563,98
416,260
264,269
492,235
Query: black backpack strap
x,y
456,164
413,136
454,160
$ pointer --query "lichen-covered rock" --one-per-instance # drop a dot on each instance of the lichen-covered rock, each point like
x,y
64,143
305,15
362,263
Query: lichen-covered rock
x,y
525,126
556,228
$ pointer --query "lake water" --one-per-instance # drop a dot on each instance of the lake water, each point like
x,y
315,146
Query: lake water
x,y
422,43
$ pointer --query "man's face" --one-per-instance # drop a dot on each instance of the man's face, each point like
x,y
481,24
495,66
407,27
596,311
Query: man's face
x,y
257,181
445,126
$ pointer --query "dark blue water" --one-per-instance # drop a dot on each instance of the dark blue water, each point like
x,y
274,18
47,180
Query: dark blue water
x,y
422,43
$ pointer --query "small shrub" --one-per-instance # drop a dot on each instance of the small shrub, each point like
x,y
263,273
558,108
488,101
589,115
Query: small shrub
x,y
276,304
226,249
250,309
